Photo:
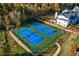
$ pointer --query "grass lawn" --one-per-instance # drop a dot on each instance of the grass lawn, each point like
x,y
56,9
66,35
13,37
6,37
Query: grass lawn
x,y
2,38
44,44
2,35
77,41
16,49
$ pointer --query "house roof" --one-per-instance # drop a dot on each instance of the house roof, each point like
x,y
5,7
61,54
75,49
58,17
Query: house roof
x,y
68,14
75,9
62,17
65,10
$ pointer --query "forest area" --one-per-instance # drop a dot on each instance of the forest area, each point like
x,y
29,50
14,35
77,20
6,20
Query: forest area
x,y
16,15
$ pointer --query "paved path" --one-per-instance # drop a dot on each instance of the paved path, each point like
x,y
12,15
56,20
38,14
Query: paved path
x,y
58,50
73,36
59,47
67,46
19,42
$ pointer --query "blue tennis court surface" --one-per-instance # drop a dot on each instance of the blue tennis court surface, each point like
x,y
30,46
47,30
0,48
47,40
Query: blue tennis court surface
x,y
47,31
31,36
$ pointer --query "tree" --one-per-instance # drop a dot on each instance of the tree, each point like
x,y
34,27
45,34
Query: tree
x,y
6,49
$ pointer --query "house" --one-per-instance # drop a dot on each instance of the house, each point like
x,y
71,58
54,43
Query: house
x,y
68,17
62,20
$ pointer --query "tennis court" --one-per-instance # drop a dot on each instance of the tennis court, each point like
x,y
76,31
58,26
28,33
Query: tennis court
x,y
38,36
30,36
34,38
47,31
